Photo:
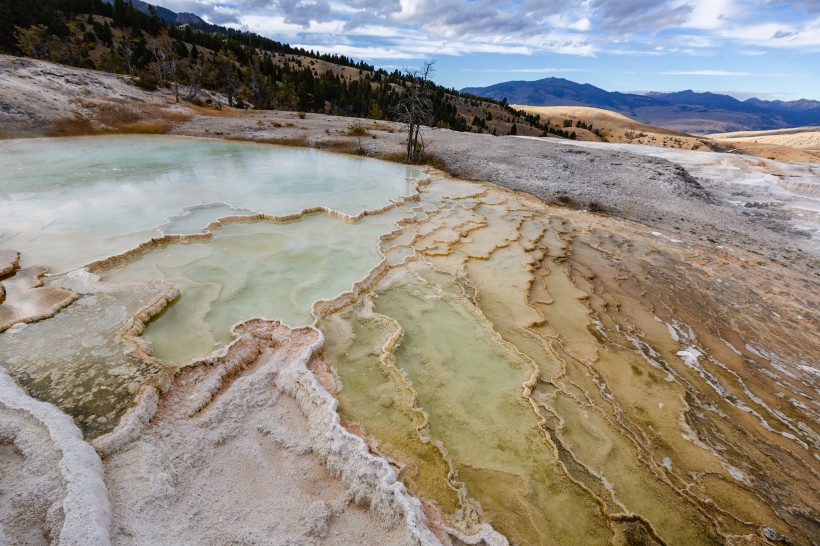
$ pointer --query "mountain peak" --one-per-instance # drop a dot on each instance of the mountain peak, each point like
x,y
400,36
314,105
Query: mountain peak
x,y
166,14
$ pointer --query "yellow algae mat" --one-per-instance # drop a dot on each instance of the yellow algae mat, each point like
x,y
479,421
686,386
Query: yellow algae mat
x,y
572,379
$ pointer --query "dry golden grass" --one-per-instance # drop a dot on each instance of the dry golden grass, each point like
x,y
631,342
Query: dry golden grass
x,y
74,125
357,129
395,157
118,117
622,129
772,151
344,146
381,126
224,112
807,138
147,127
429,158
335,143
299,141
615,127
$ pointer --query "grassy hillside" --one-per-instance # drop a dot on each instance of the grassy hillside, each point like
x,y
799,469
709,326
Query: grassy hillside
x,y
801,145
248,70
615,127
807,138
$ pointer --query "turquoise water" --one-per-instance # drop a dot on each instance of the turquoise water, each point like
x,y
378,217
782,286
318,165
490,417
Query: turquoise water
x,y
66,202
261,269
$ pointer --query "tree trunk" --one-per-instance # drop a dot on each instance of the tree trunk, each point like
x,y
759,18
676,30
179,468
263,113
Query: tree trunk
x,y
416,140
410,142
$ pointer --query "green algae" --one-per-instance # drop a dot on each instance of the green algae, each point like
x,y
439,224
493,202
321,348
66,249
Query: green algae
x,y
471,386
376,395
259,269
77,360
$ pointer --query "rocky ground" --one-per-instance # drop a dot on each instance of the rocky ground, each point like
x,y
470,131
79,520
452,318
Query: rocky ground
x,y
649,190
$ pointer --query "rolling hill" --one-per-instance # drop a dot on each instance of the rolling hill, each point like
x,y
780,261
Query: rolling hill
x,y
805,138
800,145
238,68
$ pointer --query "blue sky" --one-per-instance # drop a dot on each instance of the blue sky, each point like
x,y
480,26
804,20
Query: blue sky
x,y
767,48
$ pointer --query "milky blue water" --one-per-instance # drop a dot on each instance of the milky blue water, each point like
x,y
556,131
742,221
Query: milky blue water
x,y
69,201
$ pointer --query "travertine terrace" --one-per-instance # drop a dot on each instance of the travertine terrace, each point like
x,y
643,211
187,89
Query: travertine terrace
x,y
396,357
521,363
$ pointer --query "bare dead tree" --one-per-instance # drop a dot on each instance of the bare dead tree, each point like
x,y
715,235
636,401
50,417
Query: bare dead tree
x,y
167,61
258,86
195,73
125,48
415,108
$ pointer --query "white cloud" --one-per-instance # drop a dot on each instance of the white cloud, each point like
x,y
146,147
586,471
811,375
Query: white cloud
x,y
743,95
777,35
636,52
366,53
276,24
571,27
711,14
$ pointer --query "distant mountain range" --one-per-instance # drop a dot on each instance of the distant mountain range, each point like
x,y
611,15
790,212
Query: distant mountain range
x,y
167,15
686,111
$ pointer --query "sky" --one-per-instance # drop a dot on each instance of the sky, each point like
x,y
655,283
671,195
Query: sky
x,y
767,48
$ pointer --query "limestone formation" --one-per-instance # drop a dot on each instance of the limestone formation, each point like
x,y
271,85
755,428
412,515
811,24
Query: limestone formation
x,y
25,298
460,363
9,262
